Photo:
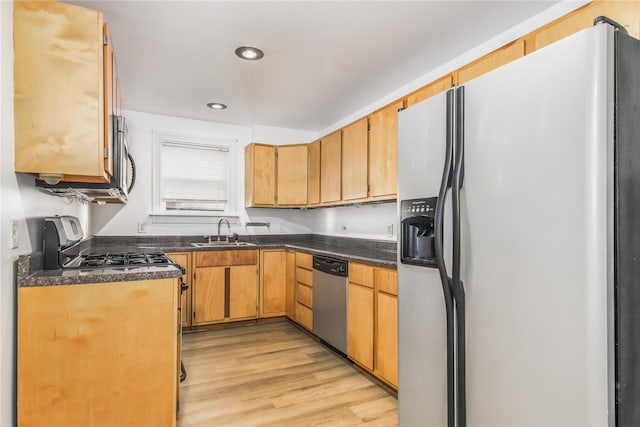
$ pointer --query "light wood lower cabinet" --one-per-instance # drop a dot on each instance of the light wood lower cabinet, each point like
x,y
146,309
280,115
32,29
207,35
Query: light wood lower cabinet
x,y
225,286
303,290
372,321
100,354
273,282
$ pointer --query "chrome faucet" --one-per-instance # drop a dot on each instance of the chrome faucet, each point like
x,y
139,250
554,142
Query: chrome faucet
x,y
228,228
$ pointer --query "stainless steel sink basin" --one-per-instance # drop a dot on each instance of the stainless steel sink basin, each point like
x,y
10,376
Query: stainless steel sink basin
x,y
220,243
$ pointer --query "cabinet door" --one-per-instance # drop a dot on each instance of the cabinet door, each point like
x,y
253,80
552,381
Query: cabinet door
x,y
183,259
387,337
243,292
59,85
209,295
290,303
260,175
292,175
314,173
330,167
354,160
360,325
273,283
383,152
491,61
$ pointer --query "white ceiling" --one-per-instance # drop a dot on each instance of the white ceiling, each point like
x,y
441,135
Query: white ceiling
x,y
323,60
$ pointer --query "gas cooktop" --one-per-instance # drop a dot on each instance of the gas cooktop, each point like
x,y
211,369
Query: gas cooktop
x,y
119,259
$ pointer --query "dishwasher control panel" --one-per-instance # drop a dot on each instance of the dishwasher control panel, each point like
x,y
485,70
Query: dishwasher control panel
x,y
336,267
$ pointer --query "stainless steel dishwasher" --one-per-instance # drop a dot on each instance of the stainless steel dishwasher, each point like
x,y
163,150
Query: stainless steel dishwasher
x,y
330,301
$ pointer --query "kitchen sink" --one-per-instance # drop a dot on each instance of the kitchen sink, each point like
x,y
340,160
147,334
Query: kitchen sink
x,y
220,243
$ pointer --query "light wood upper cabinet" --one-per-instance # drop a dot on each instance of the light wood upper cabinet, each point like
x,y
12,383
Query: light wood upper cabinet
x,y
259,175
97,354
292,175
489,62
273,282
60,92
383,152
354,160
314,173
429,90
331,167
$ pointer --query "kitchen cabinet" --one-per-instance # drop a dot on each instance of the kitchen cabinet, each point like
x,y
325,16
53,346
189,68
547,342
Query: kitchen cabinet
x,y
383,152
102,354
372,320
303,310
273,282
259,175
433,88
292,175
225,286
63,92
354,160
314,173
386,325
331,167
290,303
491,61
184,259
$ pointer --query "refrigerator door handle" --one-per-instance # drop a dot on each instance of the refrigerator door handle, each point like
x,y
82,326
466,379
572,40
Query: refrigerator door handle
x,y
445,185
457,285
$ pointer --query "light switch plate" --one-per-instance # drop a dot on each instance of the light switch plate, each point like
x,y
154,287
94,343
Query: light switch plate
x,y
343,227
389,230
15,239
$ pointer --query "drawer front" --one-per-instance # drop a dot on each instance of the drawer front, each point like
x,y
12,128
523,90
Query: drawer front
x,y
304,316
216,258
304,295
361,274
386,280
304,260
304,276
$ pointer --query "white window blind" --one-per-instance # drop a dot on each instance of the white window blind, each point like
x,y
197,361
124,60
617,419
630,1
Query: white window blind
x,y
194,177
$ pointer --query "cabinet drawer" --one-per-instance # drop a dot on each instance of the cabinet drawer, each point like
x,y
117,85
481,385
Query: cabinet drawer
x,y
304,276
304,316
361,274
304,295
304,260
386,280
213,258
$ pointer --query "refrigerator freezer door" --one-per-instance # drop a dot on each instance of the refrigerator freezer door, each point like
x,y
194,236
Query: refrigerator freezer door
x,y
422,363
536,218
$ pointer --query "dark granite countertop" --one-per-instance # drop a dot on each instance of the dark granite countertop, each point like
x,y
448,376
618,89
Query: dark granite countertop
x,y
30,273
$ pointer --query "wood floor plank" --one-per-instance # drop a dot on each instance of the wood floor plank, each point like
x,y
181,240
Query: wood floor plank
x,y
274,374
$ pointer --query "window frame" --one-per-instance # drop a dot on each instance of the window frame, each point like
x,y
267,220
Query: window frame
x,y
159,137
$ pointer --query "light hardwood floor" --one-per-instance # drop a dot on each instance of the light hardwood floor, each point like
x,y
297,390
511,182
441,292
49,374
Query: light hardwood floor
x,y
274,374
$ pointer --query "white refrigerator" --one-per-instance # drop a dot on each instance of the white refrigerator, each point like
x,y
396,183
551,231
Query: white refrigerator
x,y
519,254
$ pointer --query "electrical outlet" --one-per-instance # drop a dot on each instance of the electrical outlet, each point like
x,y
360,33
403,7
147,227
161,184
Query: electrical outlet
x,y
15,239
141,227
389,230
343,227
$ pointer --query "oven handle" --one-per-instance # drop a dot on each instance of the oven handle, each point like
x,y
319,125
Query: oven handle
x,y
183,286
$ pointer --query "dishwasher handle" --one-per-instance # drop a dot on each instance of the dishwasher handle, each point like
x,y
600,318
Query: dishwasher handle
x,y
335,267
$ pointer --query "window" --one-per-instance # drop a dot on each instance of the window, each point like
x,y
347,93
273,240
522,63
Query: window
x,y
193,176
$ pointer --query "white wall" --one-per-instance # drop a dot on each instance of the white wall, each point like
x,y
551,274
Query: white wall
x,y
135,217
18,200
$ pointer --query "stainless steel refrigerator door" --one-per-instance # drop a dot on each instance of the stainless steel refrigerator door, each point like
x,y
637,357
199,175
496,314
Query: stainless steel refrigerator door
x,y
536,218
421,314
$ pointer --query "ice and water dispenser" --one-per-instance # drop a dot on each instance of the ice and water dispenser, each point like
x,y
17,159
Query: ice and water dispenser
x,y
417,238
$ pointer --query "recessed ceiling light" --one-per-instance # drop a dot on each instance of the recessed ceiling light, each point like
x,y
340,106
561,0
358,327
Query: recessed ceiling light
x,y
216,106
249,53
